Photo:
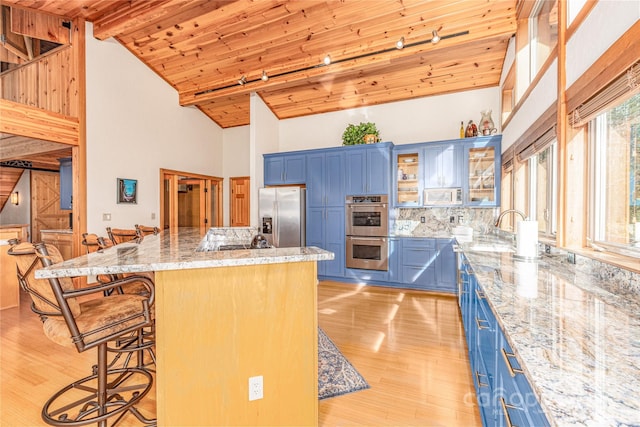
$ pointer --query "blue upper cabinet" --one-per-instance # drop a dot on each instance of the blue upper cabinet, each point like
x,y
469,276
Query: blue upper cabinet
x,y
284,169
66,184
368,168
406,176
481,171
443,165
325,178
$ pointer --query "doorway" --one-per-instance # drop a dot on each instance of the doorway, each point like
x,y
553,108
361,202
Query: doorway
x,y
190,200
239,202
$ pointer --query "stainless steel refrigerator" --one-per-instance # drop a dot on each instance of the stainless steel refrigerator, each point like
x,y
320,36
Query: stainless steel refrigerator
x,y
282,216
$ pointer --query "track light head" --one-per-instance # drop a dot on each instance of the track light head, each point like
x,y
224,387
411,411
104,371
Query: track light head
x,y
264,76
242,81
327,60
400,43
436,38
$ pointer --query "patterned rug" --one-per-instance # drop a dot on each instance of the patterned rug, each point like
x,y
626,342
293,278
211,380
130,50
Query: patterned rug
x,y
336,376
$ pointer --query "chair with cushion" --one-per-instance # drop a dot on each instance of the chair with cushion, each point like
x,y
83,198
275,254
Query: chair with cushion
x,y
122,235
87,319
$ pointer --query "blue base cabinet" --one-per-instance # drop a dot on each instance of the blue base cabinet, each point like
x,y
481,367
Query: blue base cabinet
x,y
504,394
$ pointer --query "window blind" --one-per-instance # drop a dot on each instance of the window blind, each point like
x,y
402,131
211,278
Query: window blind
x,y
621,88
540,144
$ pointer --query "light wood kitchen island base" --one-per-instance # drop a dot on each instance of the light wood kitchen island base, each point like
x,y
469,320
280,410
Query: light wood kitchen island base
x,y
216,327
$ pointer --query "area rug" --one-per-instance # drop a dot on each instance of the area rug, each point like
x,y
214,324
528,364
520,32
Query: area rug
x,y
336,376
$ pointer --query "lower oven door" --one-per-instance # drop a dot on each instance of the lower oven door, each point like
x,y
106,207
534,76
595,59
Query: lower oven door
x,y
368,253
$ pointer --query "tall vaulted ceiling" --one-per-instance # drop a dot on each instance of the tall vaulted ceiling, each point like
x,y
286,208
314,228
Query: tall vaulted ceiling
x,y
203,47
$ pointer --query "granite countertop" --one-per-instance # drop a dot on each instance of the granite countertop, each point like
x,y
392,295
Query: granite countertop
x,y
176,250
577,336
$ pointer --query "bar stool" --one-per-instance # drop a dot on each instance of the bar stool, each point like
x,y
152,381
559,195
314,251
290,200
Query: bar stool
x,y
122,235
101,322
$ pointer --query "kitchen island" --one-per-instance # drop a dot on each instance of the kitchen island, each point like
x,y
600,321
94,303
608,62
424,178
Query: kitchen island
x,y
221,318
574,329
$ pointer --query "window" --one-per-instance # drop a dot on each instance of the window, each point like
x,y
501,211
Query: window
x,y
543,190
615,171
543,34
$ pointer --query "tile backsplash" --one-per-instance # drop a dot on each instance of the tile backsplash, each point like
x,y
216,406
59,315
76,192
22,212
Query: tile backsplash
x,y
408,222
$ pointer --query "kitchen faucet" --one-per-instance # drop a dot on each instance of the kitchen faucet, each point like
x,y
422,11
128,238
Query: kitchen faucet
x,y
499,220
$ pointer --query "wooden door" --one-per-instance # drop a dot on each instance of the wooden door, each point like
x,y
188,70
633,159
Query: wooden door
x,y
239,204
45,204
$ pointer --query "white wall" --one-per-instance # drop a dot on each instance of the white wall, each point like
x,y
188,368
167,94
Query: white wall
x,y
235,161
135,126
20,214
264,135
608,20
583,49
431,118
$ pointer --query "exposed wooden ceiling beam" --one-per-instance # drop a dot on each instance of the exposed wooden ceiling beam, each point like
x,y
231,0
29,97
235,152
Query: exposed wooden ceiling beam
x,y
18,147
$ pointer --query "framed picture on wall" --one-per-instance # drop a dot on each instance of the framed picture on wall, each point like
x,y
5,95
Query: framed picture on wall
x,y
127,190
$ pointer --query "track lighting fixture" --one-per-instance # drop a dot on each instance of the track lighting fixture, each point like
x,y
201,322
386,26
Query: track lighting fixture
x,y
436,38
400,44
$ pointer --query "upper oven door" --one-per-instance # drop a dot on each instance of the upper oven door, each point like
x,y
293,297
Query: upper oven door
x,y
370,219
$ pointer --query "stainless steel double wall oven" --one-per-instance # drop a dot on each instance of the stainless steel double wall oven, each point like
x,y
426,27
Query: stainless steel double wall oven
x,y
367,231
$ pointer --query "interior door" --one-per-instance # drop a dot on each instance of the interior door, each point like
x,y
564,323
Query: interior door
x,y
239,204
45,204
190,200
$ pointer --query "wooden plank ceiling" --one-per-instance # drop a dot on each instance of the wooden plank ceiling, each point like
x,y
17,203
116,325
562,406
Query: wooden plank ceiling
x,y
202,48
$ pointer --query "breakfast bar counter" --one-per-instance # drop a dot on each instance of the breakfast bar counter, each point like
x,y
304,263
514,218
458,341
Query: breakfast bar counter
x,y
223,317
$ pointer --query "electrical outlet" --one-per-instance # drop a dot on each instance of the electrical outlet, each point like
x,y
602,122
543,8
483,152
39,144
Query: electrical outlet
x,y
571,258
452,219
547,249
153,215
106,217
422,219
255,388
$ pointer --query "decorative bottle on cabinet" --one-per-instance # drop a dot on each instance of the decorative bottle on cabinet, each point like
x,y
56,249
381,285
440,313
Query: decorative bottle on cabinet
x,y
461,129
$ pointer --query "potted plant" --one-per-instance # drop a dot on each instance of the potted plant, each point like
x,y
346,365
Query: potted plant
x,y
364,133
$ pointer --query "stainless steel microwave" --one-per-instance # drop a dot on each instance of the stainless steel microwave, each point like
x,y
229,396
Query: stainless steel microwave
x,y
442,196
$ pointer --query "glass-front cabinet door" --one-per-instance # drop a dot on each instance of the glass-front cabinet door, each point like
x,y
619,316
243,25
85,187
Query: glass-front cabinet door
x,y
408,182
482,164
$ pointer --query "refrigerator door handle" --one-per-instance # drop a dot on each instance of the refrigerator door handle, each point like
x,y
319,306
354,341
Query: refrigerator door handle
x,y
276,226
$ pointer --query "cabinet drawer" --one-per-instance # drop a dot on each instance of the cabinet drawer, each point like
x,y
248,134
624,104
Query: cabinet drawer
x,y
419,243
421,276
418,257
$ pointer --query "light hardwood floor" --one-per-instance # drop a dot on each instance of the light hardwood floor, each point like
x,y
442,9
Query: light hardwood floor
x,y
408,345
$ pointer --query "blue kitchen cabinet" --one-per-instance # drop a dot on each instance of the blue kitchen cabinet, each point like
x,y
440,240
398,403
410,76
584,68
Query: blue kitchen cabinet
x,y
443,165
419,262
66,184
395,249
325,229
325,208
446,279
482,171
368,168
406,176
505,396
284,169
325,178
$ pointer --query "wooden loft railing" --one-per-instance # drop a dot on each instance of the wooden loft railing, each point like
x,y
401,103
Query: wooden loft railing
x,y
48,82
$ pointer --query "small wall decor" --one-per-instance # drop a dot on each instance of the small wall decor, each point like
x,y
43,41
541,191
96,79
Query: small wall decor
x,y
127,190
